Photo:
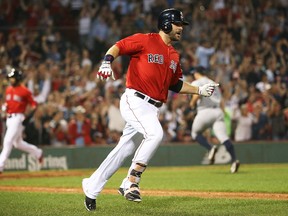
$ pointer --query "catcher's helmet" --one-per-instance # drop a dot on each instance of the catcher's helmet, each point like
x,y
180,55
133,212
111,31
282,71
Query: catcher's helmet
x,y
169,16
17,74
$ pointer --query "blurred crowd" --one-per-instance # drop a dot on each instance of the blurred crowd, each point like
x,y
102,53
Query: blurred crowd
x,y
58,44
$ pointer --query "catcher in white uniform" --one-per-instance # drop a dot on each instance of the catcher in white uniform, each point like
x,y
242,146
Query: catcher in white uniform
x,y
210,114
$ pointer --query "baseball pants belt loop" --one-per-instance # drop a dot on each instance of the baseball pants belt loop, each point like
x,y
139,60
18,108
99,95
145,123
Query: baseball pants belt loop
x,y
11,115
151,101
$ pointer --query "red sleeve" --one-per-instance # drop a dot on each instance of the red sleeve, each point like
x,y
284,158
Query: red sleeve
x,y
179,75
30,100
131,45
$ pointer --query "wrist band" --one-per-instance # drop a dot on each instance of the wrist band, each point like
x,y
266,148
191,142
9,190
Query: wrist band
x,y
109,58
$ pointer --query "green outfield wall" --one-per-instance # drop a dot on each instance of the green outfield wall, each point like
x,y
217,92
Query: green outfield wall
x,y
167,155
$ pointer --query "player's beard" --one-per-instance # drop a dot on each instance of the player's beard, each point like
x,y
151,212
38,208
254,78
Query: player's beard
x,y
175,36
13,82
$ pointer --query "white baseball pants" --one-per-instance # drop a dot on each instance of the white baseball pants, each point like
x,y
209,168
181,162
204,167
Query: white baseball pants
x,y
143,133
210,117
13,137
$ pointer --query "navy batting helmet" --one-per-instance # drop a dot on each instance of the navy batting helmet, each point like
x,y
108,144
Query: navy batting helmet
x,y
169,16
17,74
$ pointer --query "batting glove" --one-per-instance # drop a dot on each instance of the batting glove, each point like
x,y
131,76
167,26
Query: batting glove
x,y
105,71
207,89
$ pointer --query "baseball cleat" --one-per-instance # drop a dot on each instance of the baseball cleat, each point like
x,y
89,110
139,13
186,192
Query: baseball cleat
x,y
90,204
235,166
133,193
121,191
211,154
41,158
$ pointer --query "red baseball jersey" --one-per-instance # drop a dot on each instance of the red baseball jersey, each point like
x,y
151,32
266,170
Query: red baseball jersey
x,y
154,66
17,99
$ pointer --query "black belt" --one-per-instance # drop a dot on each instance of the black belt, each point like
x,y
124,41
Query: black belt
x,y
11,115
151,101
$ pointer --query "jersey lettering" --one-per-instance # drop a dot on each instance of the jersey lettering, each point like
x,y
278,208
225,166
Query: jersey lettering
x,y
155,58
17,98
14,98
8,97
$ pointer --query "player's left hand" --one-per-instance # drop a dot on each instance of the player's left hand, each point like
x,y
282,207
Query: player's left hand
x,y
207,89
105,71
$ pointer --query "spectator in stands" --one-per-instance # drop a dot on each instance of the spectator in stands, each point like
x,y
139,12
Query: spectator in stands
x,y
248,40
39,82
98,35
116,122
244,120
33,12
261,129
58,128
204,52
264,84
170,120
271,69
37,131
86,62
79,128
277,121
98,133
46,20
85,19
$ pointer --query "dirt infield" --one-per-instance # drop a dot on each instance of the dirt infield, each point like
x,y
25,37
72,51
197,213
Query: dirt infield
x,y
201,194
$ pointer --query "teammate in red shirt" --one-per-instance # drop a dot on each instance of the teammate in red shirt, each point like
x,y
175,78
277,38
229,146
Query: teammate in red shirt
x,y
18,97
153,70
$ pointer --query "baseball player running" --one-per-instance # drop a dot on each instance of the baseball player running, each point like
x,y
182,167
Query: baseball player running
x,y
153,70
210,114
17,99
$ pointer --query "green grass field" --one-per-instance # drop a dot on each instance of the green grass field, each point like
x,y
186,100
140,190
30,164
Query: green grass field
x,y
260,178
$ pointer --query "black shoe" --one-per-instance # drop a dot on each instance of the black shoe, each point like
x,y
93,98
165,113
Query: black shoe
x,y
133,193
90,204
211,155
235,166
121,191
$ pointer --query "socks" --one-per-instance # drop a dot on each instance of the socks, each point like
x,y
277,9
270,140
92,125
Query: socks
x,y
230,148
203,141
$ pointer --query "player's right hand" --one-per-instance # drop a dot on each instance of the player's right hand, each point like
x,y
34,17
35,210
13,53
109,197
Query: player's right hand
x,y
105,71
207,89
